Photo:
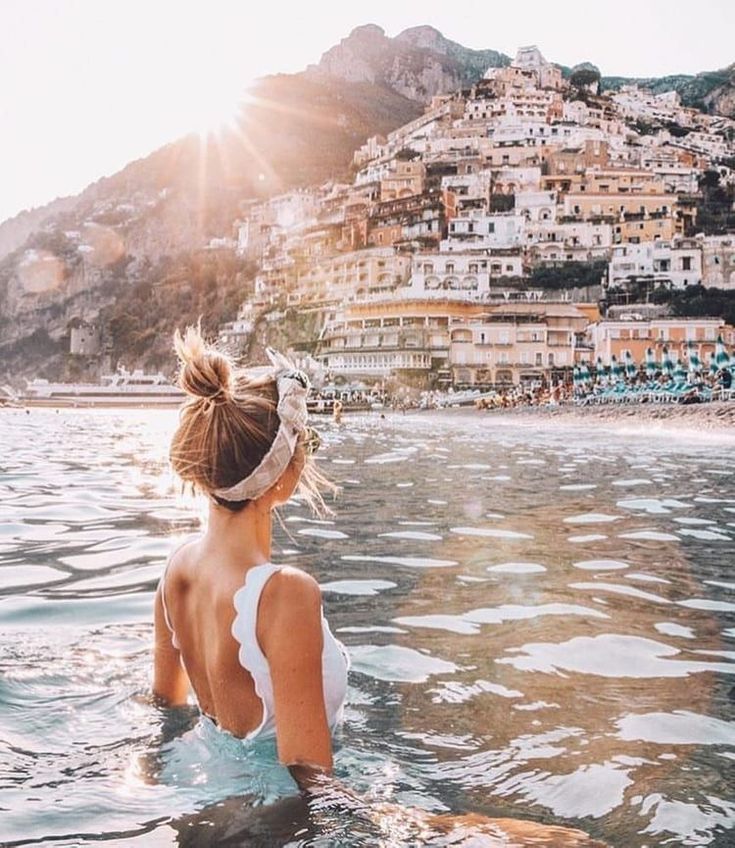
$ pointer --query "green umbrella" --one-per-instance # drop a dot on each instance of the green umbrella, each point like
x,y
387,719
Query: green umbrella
x,y
650,363
576,376
616,369
600,371
631,369
680,372
667,364
722,360
585,373
695,363
712,363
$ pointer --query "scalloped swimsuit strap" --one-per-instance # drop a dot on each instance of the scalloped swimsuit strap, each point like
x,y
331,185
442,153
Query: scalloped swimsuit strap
x,y
244,630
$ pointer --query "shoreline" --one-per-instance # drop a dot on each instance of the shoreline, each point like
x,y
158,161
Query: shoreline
x,y
716,418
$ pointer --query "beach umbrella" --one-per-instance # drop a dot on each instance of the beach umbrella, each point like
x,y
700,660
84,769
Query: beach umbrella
x,y
722,360
616,369
667,364
680,373
585,374
631,369
712,364
695,363
576,377
600,371
650,363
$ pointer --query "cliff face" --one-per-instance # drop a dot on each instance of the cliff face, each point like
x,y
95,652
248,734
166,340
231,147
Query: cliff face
x,y
720,100
417,64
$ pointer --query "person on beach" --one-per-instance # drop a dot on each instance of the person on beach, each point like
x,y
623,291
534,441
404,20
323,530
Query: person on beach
x,y
247,636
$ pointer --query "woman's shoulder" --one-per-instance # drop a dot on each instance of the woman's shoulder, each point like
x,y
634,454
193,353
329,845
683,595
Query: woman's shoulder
x,y
180,558
293,589
291,580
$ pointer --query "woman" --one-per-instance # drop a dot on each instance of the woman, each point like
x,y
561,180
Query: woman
x,y
248,636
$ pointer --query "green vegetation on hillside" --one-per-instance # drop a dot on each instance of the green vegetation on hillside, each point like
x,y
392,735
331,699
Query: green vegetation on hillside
x,y
698,302
568,275
209,285
716,209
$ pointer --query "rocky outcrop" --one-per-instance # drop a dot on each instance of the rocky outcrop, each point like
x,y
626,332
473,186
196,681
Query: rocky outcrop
x,y
417,64
720,100
710,91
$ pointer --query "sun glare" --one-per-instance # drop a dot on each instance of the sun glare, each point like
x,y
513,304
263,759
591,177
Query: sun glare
x,y
217,109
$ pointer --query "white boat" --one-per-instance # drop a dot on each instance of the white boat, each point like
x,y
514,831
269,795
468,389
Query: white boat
x,y
123,388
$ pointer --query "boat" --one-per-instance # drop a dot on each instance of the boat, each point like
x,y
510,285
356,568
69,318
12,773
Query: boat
x,y
124,388
8,397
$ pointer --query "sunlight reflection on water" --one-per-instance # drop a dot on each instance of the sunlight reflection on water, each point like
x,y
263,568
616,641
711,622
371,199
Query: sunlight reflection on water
x,y
505,660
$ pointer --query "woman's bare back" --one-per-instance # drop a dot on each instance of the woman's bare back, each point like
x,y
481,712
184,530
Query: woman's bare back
x,y
199,593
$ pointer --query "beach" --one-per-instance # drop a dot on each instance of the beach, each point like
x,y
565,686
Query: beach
x,y
716,418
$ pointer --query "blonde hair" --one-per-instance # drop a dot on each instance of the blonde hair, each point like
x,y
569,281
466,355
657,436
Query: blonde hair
x,y
228,423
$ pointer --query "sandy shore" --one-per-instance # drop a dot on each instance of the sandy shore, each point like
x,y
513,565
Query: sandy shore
x,y
717,418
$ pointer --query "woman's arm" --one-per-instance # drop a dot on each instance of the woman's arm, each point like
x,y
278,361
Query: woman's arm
x,y
292,643
170,681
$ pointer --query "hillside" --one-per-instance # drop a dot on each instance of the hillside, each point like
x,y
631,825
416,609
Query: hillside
x,y
87,257
709,91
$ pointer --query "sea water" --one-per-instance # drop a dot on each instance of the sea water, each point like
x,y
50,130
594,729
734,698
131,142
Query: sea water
x,y
541,625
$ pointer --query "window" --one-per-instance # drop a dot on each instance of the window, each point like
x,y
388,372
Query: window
x,y
539,359
686,263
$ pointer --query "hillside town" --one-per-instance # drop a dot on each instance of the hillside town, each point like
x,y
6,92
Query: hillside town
x,y
515,229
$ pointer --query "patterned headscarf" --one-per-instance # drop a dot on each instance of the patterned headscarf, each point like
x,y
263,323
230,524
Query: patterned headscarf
x,y
293,387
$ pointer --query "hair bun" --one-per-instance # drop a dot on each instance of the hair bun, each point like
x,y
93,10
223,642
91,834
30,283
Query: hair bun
x,y
205,371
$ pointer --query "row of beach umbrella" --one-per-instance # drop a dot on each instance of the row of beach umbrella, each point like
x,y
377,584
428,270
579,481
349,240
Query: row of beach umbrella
x,y
621,371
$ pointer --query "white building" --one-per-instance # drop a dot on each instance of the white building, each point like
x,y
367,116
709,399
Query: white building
x,y
536,206
677,262
485,232
464,276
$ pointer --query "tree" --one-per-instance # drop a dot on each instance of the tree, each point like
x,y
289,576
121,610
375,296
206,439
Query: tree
x,y
585,78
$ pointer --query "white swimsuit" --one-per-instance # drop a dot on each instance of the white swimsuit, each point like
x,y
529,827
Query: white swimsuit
x,y
335,659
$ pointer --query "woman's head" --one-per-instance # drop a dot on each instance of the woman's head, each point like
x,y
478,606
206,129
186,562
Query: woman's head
x,y
229,424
